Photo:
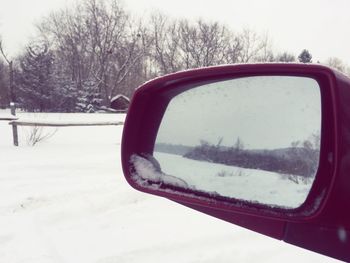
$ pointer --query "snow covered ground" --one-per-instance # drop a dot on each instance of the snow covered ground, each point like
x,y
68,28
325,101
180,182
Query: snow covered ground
x,y
66,200
247,184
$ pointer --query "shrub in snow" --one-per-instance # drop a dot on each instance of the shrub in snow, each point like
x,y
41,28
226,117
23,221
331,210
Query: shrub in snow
x,y
38,134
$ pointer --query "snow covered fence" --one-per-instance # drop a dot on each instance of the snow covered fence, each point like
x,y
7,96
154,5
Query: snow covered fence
x,y
8,118
63,124
37,123
55,120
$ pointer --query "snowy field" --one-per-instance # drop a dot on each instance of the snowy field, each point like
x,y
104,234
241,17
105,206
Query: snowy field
x,y
66,200
247,184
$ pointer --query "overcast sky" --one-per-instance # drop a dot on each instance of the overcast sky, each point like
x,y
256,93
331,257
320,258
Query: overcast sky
x,y
290,111
322,26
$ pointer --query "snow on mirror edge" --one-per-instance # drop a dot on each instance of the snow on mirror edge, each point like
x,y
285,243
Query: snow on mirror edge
x,y
147,171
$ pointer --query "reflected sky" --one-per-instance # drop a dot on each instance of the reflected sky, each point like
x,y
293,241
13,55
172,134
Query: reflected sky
x,y
265,112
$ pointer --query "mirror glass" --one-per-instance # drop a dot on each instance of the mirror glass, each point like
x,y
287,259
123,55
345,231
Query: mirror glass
x,y
254,138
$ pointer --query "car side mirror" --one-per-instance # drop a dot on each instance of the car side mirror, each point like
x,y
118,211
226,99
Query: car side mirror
x,y
256,145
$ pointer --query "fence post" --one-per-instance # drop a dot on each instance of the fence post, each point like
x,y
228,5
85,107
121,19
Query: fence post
x,y
14,126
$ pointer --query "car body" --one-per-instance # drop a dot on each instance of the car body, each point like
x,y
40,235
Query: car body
x,y
320,223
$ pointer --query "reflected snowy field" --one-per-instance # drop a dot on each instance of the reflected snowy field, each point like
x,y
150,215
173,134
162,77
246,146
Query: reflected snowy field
x,y
247,184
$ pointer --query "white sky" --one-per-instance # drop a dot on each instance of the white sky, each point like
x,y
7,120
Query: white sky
x,y
290,111
321,26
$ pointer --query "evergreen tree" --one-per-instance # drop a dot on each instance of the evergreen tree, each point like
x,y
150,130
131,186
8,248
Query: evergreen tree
x,y
88,97
35,79
305,57
4,99
65,95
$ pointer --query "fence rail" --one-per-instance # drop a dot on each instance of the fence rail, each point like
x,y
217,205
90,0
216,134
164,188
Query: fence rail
x,y
62,124
8,118
14,121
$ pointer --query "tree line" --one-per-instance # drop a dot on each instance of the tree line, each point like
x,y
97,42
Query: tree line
x,y
300,159
86,54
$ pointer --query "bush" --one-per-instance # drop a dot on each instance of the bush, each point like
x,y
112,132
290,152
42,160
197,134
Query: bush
x,y
38,134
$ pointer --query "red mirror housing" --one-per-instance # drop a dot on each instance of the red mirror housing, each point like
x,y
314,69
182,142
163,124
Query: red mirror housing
x,y
322,222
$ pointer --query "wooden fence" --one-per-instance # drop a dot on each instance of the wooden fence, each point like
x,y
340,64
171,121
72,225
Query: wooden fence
x,y
63,124
15,122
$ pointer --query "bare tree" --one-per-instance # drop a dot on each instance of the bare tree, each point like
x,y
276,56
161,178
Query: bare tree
x,y
254,47
285,57
181,44
115,45
203,44
234,50
97,41
338,64
164,51
238,145
65,30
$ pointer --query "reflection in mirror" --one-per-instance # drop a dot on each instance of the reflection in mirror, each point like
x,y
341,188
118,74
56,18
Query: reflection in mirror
x,y
254,138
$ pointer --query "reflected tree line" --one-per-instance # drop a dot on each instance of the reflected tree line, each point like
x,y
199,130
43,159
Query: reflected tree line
x,y
300,159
